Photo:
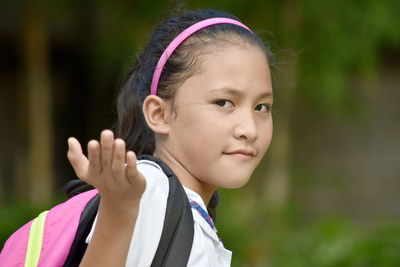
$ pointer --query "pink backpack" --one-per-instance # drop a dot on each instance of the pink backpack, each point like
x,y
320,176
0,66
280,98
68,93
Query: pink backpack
x,y
57,237
47,239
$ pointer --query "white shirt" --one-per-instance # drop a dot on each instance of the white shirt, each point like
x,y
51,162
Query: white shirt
x,y
207,249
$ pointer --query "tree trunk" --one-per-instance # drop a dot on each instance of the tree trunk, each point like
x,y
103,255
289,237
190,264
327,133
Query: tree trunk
x,y
40,162
277,185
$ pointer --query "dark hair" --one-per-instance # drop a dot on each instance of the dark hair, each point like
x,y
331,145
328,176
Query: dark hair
x,y
182,64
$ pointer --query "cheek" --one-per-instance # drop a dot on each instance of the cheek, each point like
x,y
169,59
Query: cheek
x,y
198,120
265,136
194,126
204,130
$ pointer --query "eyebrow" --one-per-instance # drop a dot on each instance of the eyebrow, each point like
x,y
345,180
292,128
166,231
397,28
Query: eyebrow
x,y
237,93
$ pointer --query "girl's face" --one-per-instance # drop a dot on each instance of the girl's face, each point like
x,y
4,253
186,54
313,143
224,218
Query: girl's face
x,y
221,124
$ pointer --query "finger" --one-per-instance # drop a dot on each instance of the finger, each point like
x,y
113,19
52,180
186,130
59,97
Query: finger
x,y
94,157
131,170
75,156
118,162
106,145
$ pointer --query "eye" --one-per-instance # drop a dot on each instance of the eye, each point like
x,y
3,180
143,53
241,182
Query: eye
x,y
224,103
263,107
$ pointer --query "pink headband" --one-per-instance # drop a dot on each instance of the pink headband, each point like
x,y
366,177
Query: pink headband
x,y
182,37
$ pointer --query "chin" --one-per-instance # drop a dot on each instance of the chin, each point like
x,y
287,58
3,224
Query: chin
x,y
235,183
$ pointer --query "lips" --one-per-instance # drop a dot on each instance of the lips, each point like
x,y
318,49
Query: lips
x,y
244,153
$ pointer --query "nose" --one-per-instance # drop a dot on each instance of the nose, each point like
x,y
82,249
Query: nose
x,y
246,127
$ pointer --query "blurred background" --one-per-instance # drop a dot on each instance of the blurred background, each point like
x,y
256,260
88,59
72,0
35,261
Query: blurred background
x,y
326,193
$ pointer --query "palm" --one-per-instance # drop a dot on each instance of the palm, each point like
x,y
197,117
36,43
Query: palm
x,y
108,167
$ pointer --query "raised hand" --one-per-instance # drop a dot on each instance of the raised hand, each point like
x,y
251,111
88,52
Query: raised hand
x,y
108,167
112,170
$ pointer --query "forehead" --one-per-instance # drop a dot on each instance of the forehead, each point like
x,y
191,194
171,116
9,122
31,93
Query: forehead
x,y
243,67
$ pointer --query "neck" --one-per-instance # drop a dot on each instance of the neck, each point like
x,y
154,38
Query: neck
x,y
185,177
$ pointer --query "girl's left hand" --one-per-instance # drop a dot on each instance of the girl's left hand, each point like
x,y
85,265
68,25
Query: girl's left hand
x,y
109,168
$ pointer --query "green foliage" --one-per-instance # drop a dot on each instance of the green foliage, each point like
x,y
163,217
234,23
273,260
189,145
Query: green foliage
x,y
333,39
339,39
258,237
14,215
17,212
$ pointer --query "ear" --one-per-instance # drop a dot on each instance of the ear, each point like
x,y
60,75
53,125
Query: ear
x,y
157,113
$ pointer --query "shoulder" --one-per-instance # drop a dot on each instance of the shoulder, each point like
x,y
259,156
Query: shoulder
x,y
145,163
154,175
146,166
151,216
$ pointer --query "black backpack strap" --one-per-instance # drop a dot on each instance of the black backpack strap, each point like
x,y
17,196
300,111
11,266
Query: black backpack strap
x,y
178,231
75,187
79,245
177,234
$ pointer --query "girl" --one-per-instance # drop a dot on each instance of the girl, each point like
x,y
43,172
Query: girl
x,y
198,98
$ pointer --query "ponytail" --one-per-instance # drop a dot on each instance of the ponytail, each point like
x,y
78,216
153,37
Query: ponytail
x,y
132,126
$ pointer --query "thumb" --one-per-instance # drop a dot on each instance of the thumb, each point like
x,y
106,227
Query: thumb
x,y
132,173
79,162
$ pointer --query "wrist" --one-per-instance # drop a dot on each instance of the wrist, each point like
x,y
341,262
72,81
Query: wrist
x,y
118,209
